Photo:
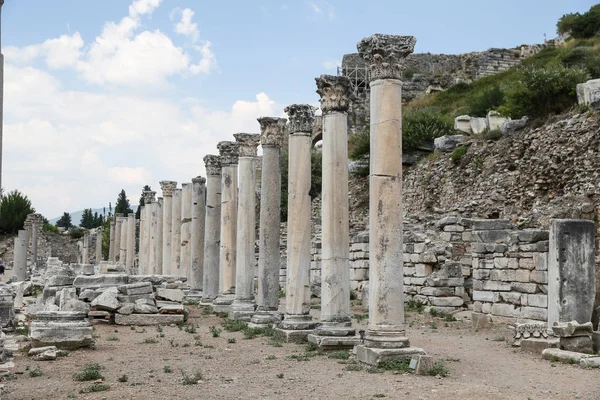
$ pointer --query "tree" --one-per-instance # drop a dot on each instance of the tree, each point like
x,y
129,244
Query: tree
x,y
141,203
65,221
87,219
14,208
122,205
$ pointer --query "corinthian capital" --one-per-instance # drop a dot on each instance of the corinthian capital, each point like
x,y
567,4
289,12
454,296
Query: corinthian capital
x,y
271,131
247,143
199,179
212,164
229,152
148,196
385,53
301,117
335,92
167,188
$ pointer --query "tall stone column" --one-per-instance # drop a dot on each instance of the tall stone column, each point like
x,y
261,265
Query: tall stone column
x,y
297,322
197,237
212,230
145,263
141,239
122,245
99,239
37,223
269,252
176,234
335,329
118,223
86,248
20,256
167,192
386,335
228,251
243,305
186,219
159,236
111,248
130,258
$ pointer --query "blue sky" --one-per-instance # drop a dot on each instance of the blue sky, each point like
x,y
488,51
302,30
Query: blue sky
x,y
104,95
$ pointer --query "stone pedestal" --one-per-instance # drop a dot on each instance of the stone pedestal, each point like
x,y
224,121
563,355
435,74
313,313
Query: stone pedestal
x,y
167,192
243,304
196,275
186,219
297,322
229,199
212,231
86,247
61,328
269,256
99,239
176,234
130,258
336,323
571,281
7,306
111,248
386,336
20,256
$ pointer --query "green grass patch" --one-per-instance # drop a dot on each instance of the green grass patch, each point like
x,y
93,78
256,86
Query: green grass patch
x,y
101,387
90,372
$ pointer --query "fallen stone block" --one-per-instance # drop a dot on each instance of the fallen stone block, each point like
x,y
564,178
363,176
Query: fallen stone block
x,y
567,357
480,321
148,319
99,314
592,362
107,300
76,305
537,346
84,281
170,294
127,308
134,297
89,294
61,329
39,350
596,341
145,309
446,301
156,279
171,309
136,288
572,328
579,344
149,302
48,355
422,364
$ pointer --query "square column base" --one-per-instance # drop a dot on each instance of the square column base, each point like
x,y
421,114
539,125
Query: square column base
x,y
194,295
264,319
334,342
373,356
222,304
293,335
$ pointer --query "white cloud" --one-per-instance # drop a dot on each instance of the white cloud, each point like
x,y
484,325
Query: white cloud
x,y
323,9
331,64
185,26
316,8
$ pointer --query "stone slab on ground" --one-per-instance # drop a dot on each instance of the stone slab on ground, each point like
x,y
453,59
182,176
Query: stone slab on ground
x,y
136,288
537,346
148,319
373,356
567,357
132,298
291,335
592,362
84,281
170,294
334,342
171,309
38,350
107,300
480,321
61,329
579,344
423,364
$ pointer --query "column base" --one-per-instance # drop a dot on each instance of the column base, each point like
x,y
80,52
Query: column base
x,y
333,342
263,319
293,335
222,304
194,295
242,310
295,328
338,329
373,356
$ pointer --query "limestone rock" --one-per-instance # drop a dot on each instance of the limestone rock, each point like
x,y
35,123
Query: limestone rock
x,y
145,309
512,125
588,93
148,319
579,344
136,288
39,350
494,120
107,300
447,143
76,305
170,294
573,328
127,309
463,123
89,294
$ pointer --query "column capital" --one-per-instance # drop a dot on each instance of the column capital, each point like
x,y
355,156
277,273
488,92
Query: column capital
x,y
229,152
384,53
177,192
199,179
167,188
247,142
301,117
148,196
212,164
335,92
271,131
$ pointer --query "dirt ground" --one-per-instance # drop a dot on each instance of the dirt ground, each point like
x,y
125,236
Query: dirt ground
x,y
480,365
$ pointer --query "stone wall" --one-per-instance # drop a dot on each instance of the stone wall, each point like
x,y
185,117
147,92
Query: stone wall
x,y
49,244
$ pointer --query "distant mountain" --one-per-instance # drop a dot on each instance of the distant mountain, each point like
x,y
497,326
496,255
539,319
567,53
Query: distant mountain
x,y
76,216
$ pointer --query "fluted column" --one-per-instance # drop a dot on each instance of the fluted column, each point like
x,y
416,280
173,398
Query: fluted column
x,y
159,236
141,238
227,254
386,333
130,257
20,256
86,248
186,219
99,239
269,252
212,231
298,323
118,223
197,237
36,226
167,192
123,244
243,304
145,262
335,322
111,248
176,233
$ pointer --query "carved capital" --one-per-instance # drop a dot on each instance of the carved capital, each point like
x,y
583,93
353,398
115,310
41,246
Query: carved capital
x,y
301,117
199,179
335,92
271,131
177,192
167,188
212,164
229,152
247,142
385,53
148,196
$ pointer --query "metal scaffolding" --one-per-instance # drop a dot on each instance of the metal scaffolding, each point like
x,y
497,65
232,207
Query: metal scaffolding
x,y
359,78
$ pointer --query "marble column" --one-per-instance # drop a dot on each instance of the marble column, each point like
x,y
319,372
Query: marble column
x,y
269,252
20,256
335,328
243,305
186,219
86,248
37,225
130,258
212,228
227,253
297,322
118,223
197,227
167,192
141,239
123,244
99,239
176,233
145,262
159,236
111,248
386,335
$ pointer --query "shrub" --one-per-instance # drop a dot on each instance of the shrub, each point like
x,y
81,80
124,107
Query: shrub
x,y
50,228
490,99
409,73
97,388
543,91
566,22
421,126
496,134
586,25
76,233
91,372
14,208
359,145
458,153
438,369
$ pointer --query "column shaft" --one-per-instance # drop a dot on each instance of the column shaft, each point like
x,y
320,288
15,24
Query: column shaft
x,y
20,256
186,219
86,246
197,233
176,233
118,222
35,231
167,226
212,231
141,239
228,250
99,239
123,244
159,236
152,214
111,249
130,243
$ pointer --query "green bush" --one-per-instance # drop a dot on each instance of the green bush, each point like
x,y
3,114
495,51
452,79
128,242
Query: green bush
x,y
586,25
359,145
543,91
566,22
424,125
458,153
14,208
76,233
409,73
50,228
490,99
